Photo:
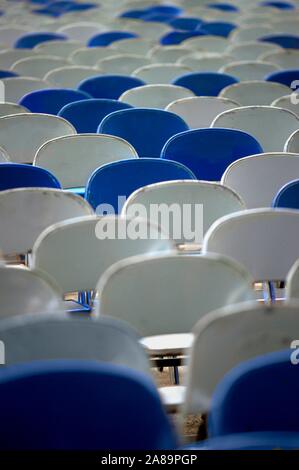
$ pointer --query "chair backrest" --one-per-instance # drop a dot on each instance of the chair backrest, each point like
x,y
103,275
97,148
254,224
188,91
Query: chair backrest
x,y
36,338
21,135
208,43
86,115
252,50
258,178
63,156
287,41
286,77
166,54
17,87
122,64
108,37
51,101
81,31
287,195
278,124
12,108
216,201
58,48
200,111
285,59
198,149
154,96
77,252
160,73
249,70
256,92
173,38
27,292
89,56
29,211
229,336
205,83
36,389
219,28
182,287
30,40
255,238
292,143
258,395
9,56
146,129
109,86
19,175
249,33
70,76
10,33
185,23
286,102
37,66
138,46
205,62
110,185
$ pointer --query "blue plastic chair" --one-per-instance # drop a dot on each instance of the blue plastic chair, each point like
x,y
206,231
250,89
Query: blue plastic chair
x,y
218,28
82,7
146,129
105,39
86,115
223,7
176,37
205,83
157,17
259,395
173,10
109,86
288,196
122,178
135,14
280,5
185,23
286,77
287,41
30,40
250,441
18,175
81,405
7,74
208,152
51,100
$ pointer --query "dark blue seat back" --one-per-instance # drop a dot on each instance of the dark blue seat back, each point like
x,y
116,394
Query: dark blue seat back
x,y
176,37
223,7
18,175
105,39
30,40
109,86
173,10
208,152
135,14
287,41
218,28
7,74
50,101
81,405
123,177
185,23
286,77
205,83
146,129
258,395
279,5
288,196
86,115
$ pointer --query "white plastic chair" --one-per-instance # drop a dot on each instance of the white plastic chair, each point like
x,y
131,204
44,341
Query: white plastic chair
x,y
208,62
246,70
122,64
167,295
292,282
29,211
287,102
21,135
229,336
89,56
263,240
38,66
16,87
253,93
9,56
12,108
77,252
149,30
10,33
200,111
216,201
270,126
81,31
23,291
252,50
285,59
160,73
250,33
67,159
287,26
207,43
138,46
58,48
258,178
49,337
168,54
154,96
292,143
70,76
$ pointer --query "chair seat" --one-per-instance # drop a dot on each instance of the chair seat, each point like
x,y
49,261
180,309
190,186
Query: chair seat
x,y
172,397
168,345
